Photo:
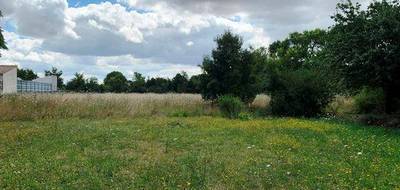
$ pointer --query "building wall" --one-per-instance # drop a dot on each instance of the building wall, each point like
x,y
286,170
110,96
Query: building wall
x,y
50,80
10,81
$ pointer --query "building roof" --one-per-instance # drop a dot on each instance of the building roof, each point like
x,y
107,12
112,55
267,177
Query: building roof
x,y
6,68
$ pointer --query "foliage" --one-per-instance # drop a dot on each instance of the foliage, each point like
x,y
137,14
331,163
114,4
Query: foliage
x,y
138,84
230,70
92,85
158,85
230,106
299,50
116,82
77,84
179,83
364,48
26,74
370,101
2,41
194,84
302,92
55,72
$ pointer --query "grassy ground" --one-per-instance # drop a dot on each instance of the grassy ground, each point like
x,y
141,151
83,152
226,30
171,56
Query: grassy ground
x,y
197,153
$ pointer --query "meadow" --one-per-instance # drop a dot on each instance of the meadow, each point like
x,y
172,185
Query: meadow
x,y
150,141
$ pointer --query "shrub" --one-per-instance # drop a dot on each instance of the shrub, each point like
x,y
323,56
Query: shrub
x,y
299,93
370,100
230,106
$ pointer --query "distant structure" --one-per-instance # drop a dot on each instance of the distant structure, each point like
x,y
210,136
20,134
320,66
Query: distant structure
x,y
10,83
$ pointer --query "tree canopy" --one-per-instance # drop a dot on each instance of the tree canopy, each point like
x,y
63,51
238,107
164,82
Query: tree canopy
x,y
116,82
55,72
364,47
2,41
231,70
26,74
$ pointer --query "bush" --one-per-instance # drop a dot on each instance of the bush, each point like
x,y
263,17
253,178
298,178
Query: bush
x,y
230,106
370,100
299,93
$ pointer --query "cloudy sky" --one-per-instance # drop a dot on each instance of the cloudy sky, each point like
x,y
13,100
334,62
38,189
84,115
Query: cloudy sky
x,y
154,37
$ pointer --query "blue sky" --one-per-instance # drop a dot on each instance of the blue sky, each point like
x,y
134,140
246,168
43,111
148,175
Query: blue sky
x,y
153,37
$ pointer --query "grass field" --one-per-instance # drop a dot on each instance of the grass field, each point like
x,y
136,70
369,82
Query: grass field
x,y
197,153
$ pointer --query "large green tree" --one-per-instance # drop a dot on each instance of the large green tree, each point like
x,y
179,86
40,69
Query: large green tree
x,y
299,50
2,41
55,72
26,74
180,82
77,84
116,82
230,70
138,84
364,47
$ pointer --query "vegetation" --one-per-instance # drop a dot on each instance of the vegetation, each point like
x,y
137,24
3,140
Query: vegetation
x,y
197,153
26,74
116,82
230,106
299,93
2,41
364,48
97,106
55,72
370,101
231,70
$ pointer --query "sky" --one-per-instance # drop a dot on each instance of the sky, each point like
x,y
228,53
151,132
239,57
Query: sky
x,y
158,38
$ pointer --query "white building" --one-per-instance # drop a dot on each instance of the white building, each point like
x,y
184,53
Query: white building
x,y
10,83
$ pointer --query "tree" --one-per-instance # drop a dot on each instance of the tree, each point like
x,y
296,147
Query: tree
x,y
194,84
55,72
92,85
77,84
230,71
297,80
158,85
116,82
364,48
138,84
180,82
2,41
299,50
26,74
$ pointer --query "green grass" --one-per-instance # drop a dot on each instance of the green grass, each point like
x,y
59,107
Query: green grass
x,y
197,153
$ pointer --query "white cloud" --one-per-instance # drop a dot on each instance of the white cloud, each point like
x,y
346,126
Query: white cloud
x,y
189,43
148,36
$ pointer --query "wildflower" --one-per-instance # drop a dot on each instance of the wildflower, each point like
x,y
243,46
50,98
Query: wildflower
x,y
359,153
268,165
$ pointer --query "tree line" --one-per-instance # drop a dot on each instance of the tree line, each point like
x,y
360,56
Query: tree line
x,y
116,82
358,55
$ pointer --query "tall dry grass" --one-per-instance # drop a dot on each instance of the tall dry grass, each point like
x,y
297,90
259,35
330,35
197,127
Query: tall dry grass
x,y
51,106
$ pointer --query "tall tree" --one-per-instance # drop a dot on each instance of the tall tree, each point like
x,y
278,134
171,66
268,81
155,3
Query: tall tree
x,y
180,82
92,85
364,47
230,70
194,85
26,74
77,84
2,41
138,84
116,82
55,72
